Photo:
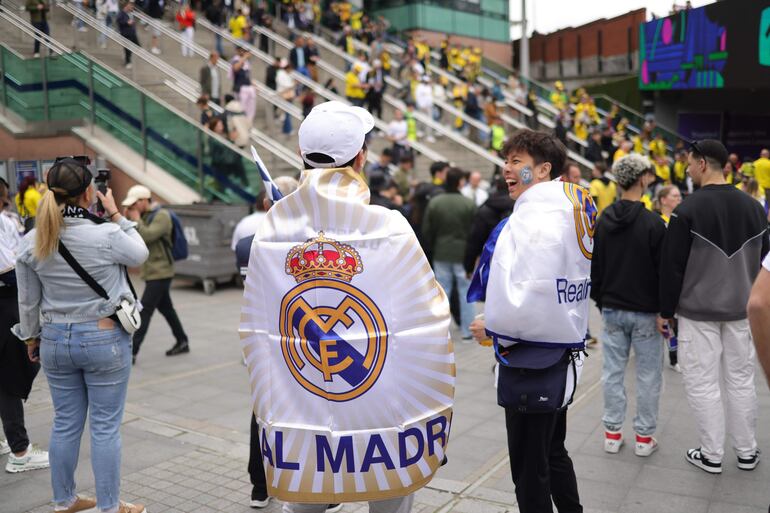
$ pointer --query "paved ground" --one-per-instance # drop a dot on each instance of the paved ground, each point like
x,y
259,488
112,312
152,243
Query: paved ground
x,y
185,437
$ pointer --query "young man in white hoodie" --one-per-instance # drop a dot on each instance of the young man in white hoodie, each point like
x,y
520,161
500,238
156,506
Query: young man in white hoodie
x,y
536,325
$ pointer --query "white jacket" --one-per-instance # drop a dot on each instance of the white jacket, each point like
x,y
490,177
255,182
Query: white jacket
x,y
423,96
540,271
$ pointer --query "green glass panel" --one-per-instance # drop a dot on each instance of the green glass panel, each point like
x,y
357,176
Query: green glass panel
x,y
172,143
67,87
117,108
226,171
19,73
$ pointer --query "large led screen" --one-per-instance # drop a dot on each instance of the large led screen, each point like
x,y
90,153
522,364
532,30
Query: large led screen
x,y
722,45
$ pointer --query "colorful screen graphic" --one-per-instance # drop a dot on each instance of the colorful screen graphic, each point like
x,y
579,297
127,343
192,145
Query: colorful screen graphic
x,y
722,45
684,51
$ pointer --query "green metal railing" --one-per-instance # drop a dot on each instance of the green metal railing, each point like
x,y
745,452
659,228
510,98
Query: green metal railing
x,y
74,86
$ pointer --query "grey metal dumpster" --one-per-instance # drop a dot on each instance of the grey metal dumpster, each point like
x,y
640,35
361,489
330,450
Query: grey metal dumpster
x,y
209,230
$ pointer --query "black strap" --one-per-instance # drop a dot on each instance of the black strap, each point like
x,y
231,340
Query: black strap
x,y
65,253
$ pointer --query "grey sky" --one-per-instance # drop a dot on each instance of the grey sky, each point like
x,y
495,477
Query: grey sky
x,y
550,15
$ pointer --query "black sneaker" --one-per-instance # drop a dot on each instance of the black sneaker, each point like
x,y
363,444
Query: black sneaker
x,y
258,500
695,457
749,463
333,508
179,348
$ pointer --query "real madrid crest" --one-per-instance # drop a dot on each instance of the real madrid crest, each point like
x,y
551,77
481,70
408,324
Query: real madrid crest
x,y
585,217
333,336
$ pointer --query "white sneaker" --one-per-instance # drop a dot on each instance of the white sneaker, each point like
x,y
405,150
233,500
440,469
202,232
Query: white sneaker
x,y
430,139
155,50
645,445
82,29
36,55
749,463
4,447
613,441
129,66
33,459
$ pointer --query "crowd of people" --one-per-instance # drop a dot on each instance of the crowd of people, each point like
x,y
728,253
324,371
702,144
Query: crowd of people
x,y
677,238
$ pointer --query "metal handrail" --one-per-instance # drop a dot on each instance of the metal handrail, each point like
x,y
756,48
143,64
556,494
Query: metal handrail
x,y
289,157
264,92
420,148
451,109
396,103
182,79
35,33
336,73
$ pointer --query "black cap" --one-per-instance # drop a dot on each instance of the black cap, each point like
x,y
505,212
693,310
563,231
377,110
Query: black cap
x,y
710,148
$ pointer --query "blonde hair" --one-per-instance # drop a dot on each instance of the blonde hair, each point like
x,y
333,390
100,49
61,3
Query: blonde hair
x,y
662,193
49,221
752,188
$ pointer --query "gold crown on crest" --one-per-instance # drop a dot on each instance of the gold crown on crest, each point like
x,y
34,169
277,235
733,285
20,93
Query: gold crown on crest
x,y
323,258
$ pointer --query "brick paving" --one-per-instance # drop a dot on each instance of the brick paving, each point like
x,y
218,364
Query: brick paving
x,y
186,428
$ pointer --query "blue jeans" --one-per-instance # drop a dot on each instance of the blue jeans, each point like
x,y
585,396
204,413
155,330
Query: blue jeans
x,y
622,330
286,129
87,370
220,48
109,19
445,272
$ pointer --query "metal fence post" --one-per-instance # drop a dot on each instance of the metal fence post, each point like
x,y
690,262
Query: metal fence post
x,y
199,156
143,119
2,78
44,77
91,102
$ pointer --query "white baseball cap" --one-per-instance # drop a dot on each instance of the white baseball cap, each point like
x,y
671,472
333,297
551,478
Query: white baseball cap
x,y
335,130
136,193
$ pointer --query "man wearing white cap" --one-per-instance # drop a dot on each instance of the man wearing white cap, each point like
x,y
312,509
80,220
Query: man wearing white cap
x,y
319,251
155,226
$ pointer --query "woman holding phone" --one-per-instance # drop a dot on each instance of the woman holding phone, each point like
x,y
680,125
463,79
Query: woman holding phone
x,y
77,334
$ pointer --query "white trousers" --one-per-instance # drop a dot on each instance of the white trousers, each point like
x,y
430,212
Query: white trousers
x,y
716,355
399,505
187,36
248,98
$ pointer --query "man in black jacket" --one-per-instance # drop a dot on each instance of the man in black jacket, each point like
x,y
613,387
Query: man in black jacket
x,y
714,245
127,28
594,150
624,283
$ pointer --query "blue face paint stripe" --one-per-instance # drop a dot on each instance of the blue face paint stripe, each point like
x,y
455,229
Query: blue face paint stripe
x,y
526,175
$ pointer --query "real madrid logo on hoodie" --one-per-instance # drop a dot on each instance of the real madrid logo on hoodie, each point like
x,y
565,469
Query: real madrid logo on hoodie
x,y
321,343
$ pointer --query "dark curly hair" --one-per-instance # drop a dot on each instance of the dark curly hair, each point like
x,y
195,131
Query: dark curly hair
x,y
541,146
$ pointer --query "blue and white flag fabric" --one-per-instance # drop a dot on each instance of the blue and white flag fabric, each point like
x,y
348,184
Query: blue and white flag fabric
x,y
346,335
540,268
271,190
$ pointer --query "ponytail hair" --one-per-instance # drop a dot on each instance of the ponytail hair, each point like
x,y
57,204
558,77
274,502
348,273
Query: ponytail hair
x,y
49,222
48,225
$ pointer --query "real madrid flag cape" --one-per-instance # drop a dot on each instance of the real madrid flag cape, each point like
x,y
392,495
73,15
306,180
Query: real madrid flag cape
x,y
346,335
537,272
